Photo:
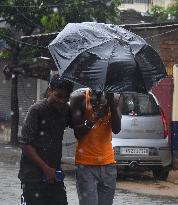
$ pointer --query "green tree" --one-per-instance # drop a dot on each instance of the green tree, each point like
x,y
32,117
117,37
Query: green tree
x,y
161,14
176,12
27,17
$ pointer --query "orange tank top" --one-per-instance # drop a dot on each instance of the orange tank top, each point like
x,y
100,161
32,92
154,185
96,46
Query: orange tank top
x,y
95,148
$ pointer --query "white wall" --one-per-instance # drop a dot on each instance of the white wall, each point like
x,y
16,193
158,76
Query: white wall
x,y
144,7
136,6
163,3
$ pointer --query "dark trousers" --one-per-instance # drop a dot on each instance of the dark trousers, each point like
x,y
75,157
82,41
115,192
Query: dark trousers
x,y
44,194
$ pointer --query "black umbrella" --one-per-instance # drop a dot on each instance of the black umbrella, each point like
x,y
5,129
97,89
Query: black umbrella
x,y
106,57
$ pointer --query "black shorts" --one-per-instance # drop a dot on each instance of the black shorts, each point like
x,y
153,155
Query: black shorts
x,y
44,194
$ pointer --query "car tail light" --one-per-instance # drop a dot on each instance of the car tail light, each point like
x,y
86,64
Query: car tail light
x,y
164,124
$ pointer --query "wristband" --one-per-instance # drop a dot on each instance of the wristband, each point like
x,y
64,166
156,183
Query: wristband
x,y
88,124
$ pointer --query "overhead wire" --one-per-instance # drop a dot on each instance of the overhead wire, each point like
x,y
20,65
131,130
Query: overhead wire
x,y
30,6
52,6
46,6
160,34
40,46
22,42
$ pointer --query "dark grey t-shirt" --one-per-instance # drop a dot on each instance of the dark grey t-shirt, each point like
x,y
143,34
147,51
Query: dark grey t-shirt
x,y
43,128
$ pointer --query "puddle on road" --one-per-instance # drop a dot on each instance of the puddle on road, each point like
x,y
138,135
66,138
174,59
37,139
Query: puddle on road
x,y
10,191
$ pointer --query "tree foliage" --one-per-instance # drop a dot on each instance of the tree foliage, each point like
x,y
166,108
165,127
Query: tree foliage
x,y
36,16
25,18
161,14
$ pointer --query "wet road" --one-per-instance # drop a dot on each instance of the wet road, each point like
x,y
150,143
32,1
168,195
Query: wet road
x,y
10,191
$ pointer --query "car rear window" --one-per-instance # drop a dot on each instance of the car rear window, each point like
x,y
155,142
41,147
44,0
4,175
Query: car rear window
x,y
139,104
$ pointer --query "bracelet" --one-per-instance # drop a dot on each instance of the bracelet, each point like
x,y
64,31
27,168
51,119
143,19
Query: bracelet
x,y
88,126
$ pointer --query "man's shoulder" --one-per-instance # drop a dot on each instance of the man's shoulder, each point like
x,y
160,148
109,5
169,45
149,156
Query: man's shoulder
x,y
79,93
41,104
78,98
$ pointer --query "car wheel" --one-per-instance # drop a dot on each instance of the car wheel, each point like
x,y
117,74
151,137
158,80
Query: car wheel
x,y
161,173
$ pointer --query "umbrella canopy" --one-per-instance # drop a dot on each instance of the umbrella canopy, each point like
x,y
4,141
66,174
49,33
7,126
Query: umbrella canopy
x,y
106,57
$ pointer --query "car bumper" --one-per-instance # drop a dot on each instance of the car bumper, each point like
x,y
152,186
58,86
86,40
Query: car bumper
x,y
160,155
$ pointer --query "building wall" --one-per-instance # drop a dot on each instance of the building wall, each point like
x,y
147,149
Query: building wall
x,y
165,42
144,5
5,88
27,88
27,95
141,7
164,3
27,92
169,50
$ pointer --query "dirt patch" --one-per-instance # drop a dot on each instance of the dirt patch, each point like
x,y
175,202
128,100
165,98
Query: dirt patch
x,y
144,183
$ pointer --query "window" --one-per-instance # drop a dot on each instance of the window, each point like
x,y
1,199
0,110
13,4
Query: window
x,y
142,1
127,1
136,1
139,104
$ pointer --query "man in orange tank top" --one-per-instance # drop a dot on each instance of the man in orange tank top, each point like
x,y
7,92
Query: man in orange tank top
x,y
95,115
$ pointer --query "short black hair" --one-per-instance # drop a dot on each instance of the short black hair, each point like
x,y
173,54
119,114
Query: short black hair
x,y
59,83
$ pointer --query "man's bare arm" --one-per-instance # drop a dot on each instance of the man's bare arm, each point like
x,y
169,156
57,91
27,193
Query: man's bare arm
x,y
115,102
80,126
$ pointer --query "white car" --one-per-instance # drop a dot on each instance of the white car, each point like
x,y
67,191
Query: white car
x,y
143,140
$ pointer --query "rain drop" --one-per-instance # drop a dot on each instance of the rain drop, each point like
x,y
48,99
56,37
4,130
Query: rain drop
x,y
43,121
34,60
81,150
12,113
84,194
41,133
36,194
78,112
99,158
90,106
80,198
4,81
55,10
2,127
108,3
81,75
28,85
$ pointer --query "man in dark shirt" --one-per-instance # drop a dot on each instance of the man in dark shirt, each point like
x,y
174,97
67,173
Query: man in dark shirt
x,y
41,142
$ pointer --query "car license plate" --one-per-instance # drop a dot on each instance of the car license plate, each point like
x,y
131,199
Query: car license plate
x,y
134,151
